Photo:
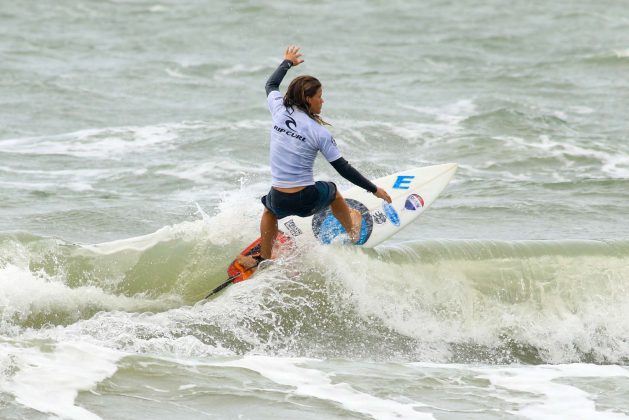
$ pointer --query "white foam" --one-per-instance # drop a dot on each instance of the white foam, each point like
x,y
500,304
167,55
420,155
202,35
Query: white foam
x,y
622,53
374,286
617,166
112,142
235,220
24,293
184,230
49,381
175,73
436,124
614,162
452,113
560,114
488,169
215,170
558,400
582,110
158,8
15,253
240,69
46,186
314,383
448,301
440,120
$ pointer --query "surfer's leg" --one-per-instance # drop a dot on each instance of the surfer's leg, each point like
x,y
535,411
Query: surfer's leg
x,y
268,232
350,218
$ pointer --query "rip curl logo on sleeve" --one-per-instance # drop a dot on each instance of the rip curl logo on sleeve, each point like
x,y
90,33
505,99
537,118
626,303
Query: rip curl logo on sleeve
x,y
333,141
392,215
414,202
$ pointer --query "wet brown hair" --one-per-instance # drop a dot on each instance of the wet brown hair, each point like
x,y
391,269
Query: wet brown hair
x,y
300,88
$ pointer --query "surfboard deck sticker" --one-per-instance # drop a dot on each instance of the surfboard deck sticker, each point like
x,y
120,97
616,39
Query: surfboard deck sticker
x,y
411,191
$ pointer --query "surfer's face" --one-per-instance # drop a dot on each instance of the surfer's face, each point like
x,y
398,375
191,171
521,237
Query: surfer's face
x,y
315,102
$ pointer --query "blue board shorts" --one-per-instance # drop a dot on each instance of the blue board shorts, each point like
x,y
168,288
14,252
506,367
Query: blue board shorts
x,y
304,203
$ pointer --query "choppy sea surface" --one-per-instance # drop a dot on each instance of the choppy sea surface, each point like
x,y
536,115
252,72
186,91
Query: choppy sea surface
x,y
134,150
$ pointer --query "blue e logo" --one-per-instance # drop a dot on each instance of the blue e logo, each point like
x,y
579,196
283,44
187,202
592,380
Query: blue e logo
x,y
403,182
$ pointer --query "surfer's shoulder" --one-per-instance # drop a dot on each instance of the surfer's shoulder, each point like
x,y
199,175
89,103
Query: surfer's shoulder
x,y
321,130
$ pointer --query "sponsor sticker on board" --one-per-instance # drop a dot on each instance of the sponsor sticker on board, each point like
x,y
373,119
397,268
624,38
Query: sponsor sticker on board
x,y
379,217
292,228
391,214
327,228
414,202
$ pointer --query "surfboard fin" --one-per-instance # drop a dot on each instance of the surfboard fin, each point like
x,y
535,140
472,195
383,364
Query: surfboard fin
x,y
228,282
221,286
263,263
238,272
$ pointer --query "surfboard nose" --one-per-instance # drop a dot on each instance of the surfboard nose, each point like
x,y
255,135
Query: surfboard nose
x,y
449,166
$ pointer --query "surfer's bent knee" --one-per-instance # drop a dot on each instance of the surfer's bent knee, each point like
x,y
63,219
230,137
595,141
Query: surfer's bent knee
x,y
268,212
339,200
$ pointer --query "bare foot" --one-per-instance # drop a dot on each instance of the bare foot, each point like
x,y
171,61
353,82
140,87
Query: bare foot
x,y
357,221
246,261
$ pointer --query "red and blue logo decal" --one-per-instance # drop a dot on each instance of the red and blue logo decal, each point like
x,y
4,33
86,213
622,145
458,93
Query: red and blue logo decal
x,y
414,202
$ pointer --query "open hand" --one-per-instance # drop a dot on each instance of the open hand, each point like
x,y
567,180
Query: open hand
x,y
292,54
381,193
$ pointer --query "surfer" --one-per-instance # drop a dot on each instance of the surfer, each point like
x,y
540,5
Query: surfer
x,y
297,135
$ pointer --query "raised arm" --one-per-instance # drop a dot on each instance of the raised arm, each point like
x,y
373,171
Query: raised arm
x,y
292,57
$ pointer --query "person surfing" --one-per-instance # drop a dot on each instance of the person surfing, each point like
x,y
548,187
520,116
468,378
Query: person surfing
x,y
297,135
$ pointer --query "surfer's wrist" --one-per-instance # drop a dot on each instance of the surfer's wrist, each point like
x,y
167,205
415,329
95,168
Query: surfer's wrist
x,y
381,193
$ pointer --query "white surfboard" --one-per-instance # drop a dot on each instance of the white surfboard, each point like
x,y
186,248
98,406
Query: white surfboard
x,y
412,191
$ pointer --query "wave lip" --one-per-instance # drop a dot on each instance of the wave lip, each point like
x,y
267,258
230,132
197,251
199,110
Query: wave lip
x,y
441,300
499,301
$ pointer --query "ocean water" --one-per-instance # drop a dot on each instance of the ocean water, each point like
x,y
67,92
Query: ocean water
x,y
134,150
